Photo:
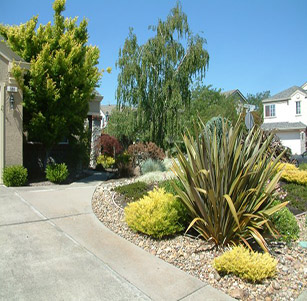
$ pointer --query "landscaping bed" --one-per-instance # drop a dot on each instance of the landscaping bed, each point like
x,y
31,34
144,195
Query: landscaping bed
x,y
195,256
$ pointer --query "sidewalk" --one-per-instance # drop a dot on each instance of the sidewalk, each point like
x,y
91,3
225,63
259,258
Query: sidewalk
x,y
52,247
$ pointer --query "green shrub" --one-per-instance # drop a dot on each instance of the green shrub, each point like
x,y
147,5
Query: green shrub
x,y
15,176
57,173
124,165
303,166
105,161
157,214
296,196
168,186
152,165
252,266
229,184
133,191
285,223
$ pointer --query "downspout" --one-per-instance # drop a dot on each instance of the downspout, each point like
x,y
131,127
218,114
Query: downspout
x,y
2,129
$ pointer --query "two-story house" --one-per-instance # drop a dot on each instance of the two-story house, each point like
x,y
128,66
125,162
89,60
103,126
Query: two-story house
x,y
286,113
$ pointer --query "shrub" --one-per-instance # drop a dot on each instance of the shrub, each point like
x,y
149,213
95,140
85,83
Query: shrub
x,y
286,224
123,163
296,195
140,152
252,266
105,161
15,176
156,176
292,174
303,166
295,176
168,186
157,214
152,165
108,145
57,173
133,191
216,124
229,187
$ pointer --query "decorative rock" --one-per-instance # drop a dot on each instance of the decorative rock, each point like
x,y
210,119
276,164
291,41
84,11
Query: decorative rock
x,y
195,256
303,244
276,285
236,293
217,276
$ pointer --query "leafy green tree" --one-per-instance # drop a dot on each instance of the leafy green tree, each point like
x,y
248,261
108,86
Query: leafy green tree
x,y
122,125
207,103
155,77
62,77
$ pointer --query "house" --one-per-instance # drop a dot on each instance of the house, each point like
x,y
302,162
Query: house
x,y
286,113
105,112
11,113
235,95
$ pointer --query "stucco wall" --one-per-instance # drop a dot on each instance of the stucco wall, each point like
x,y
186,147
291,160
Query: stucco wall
x,y
286,110
94,108
3,69
13,130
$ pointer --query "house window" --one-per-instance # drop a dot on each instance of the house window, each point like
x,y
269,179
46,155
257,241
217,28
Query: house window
x,y
298,107
270,111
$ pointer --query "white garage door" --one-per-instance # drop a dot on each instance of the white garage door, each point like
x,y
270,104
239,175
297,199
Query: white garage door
x,y
292,140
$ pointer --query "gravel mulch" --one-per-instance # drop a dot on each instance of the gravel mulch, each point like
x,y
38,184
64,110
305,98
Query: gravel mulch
x,y
195,256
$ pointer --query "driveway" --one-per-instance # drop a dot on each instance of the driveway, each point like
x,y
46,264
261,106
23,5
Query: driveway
x,y
52,247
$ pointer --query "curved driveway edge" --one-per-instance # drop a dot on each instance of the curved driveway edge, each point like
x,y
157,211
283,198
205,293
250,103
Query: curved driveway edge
x,y
53,247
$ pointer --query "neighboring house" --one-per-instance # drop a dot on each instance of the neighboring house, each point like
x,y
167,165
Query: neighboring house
x,y
11,113
105,112
235,95
286,112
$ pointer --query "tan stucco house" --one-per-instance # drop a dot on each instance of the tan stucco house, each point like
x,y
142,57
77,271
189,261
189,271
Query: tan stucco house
x,y
11,131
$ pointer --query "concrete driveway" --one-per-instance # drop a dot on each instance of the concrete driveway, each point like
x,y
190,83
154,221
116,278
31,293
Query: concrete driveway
x,y
52,247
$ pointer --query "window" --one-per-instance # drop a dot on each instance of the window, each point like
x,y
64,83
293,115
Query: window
x,y
270,111
298,107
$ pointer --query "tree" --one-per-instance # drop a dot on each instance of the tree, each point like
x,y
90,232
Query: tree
x,y
62,77
207,103
155,77
122,125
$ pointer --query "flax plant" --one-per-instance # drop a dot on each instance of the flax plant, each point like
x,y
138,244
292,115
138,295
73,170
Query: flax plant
x,y
229,184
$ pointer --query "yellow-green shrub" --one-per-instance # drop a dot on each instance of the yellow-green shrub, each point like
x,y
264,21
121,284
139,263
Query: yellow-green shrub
x,y
286,167
157,214
295,176
247,265
105,161
292,174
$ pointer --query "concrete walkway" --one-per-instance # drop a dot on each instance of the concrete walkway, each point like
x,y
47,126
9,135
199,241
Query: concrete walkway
x,y
52,247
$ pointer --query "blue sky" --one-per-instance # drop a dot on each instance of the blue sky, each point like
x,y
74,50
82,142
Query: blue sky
x,y
254,45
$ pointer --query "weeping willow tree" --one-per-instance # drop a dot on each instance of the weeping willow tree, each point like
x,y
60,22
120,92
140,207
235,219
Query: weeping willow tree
x,y
155,77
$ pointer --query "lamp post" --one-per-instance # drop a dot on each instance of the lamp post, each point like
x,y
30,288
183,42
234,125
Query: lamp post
x,y
12,101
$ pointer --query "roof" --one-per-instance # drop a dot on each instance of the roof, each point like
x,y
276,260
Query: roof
x,y
97,96
107,108
231,93
285,94
8,52
283,126
11,56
